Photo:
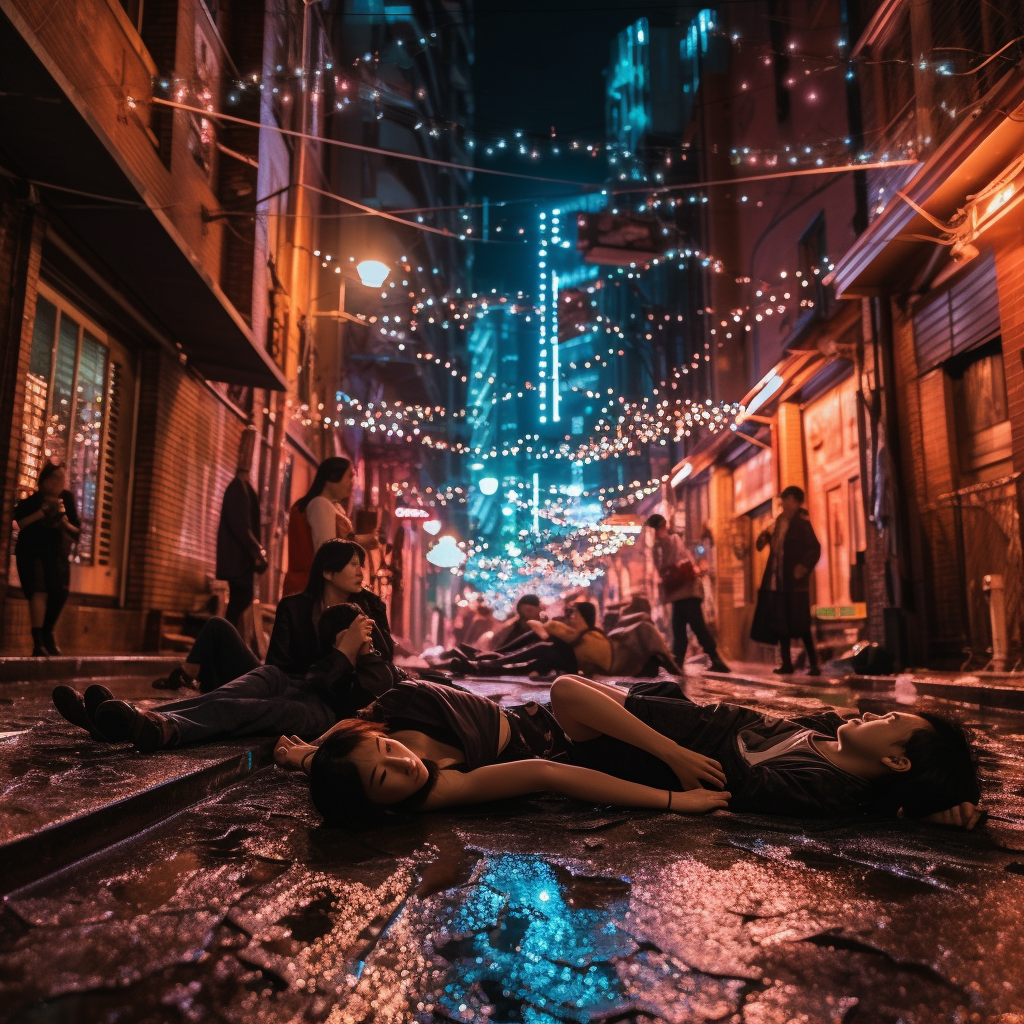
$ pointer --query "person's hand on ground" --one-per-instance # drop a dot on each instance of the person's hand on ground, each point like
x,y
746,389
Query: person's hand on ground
x,y
965,815
350,641
293,754
692,769
698,801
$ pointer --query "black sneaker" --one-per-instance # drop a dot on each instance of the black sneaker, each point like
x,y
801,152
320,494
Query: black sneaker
x,y
96,695
50,644
71,707
783,670
147,731
717,665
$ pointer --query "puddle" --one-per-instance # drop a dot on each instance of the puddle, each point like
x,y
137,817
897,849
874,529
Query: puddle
x,y
530,941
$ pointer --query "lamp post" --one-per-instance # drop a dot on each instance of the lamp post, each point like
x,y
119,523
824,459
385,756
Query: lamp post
x,y
372,274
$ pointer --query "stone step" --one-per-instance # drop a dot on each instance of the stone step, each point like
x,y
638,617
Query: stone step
x,y
64,669
64,796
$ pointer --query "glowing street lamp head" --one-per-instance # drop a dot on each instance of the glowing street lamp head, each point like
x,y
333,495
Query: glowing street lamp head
x,y
446,553
488,485
373,273
432,526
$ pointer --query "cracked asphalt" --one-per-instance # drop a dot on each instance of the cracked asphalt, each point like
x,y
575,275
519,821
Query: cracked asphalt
x,y
243,908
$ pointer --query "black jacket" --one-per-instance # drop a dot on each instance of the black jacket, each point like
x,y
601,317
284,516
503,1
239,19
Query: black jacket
x,y
238,544
800,784
294,647
346,688
799,547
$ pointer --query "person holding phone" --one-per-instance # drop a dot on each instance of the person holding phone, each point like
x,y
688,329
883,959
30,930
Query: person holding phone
x,y
48,527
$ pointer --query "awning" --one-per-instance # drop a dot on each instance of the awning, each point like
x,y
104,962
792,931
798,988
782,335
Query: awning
x,y
45,138
781,382
887,257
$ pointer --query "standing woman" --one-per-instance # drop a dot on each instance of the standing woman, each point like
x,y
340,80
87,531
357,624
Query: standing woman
x,y
48,526
783,611
319,516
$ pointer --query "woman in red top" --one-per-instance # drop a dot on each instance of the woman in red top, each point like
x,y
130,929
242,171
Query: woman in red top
x,y
319,516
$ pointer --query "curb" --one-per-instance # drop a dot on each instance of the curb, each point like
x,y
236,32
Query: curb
x,y
61,669
32,857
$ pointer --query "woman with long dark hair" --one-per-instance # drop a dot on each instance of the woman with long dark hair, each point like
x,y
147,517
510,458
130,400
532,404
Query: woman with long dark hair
x,y
48,526
423,747
220,655
319,516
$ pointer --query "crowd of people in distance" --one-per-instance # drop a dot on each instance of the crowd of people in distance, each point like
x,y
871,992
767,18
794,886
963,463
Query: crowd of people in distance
x,y
375,740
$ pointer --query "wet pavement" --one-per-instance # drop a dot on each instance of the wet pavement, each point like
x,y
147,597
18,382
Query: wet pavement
x,y
538,910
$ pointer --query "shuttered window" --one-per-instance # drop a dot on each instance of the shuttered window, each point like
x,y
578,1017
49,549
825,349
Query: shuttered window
x,y
960,318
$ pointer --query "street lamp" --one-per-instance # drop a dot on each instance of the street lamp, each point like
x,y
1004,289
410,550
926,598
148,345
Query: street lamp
x,y
446,553
373,273
488,485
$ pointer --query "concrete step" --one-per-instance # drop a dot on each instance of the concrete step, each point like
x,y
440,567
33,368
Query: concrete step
x,y
64,796
64,669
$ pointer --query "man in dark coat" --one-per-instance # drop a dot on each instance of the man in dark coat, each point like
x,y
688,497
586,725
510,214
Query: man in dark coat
x,y
239,552
784,601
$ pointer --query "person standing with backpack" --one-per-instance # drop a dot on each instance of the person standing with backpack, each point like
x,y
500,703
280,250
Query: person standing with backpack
x,y
681,587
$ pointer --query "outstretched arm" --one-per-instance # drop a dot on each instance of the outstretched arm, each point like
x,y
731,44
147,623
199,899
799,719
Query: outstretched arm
x,y
520,778
585,713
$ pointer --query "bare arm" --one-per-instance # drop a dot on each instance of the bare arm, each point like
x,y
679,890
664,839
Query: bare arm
x,y
520,778
539,628
586,713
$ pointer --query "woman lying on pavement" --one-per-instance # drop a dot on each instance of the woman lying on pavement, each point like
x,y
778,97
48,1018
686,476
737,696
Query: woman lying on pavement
x,y
348,676
336,577
423,747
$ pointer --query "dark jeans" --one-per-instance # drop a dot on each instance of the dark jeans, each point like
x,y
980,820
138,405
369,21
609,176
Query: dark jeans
x,y
240,594
263,702
689,611
221,653
539,656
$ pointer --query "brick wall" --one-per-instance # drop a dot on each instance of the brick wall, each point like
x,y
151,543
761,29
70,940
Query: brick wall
x,y
185,456
21,232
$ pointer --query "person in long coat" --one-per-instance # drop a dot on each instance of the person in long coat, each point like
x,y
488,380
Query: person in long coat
x,y
783,610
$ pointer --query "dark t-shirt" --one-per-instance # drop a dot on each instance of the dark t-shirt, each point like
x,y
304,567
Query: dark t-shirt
x,y
772,765
43,538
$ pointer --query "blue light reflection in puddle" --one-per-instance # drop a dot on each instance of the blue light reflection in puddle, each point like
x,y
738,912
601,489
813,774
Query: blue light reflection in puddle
x,y
529,942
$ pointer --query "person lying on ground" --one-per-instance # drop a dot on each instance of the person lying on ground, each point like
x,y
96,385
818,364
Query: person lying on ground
x,y
639,649
575,645
336,577
349,675
423,747
626,612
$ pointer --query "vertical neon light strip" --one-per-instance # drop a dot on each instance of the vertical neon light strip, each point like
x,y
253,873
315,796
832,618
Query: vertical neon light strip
x,y
536,504
542,314
555,396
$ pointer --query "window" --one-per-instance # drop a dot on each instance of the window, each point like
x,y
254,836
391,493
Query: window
x,y
74,413
983,417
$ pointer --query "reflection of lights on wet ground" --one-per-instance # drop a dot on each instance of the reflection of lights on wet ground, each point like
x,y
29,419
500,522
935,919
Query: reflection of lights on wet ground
x,y
531,955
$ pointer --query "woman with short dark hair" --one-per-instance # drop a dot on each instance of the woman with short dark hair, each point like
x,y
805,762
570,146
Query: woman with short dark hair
x,y
48,526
